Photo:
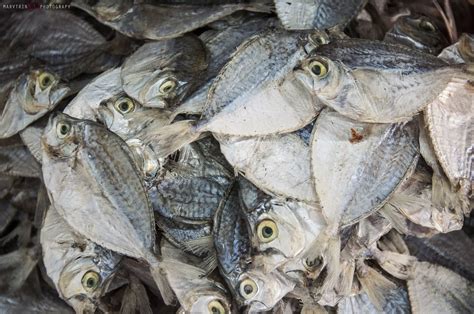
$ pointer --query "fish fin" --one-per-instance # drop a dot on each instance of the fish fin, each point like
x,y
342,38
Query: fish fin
x,y
397,220
170,138
376,285
135,299
332,258
346,278
398,265
456,203
209,263
15,267
158,272
261,6
202,246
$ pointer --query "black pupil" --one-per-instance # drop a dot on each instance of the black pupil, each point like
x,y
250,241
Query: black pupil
x,y
248,289
214,309
427,26
267,232
64,129
319,40
168,87
46,80
123,106
90,282
316,69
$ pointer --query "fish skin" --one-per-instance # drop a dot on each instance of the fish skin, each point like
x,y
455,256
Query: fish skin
x,y
16,160
86,157
220,45
184,59
392,146
28,102
452,250
438,289
261,93
68,256
460,52
32,41
317,14
139,20
404,76
409,31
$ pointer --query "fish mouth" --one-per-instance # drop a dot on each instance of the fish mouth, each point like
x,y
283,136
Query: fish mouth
x,y
105,116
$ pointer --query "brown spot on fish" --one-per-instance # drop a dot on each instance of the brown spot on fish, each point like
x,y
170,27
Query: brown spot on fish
x,y
355,137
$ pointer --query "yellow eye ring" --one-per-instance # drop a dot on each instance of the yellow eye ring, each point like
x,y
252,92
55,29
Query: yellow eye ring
x,y
124,105
63,129
318,39
90,281
248,288
427,26
216,307
45,80
318,68
267,231
168,86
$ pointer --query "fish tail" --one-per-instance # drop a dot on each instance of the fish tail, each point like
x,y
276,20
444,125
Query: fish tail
x,y
159,276
332,258
262,6
398,265
170,138
374,284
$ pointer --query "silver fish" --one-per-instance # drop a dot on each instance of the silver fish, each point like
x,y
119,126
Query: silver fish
x,y
80,269
79,152
32,96
156,21
160,74
460,52
371,81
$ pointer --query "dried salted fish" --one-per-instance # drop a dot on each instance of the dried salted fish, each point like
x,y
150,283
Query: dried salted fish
x,y
371,81
369,160
460,52
155,21
417,32
32,96
80,269
437,289
319,14
253,95
88,156
160,74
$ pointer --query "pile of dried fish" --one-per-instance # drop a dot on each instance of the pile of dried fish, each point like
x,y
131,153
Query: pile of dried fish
x,y
237,156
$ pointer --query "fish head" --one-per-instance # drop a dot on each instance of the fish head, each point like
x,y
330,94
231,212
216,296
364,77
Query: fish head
x,y
324,77
107,10
84,280
40,91
260,291
274,227
164,89
210,300
418,32
61,137
127,118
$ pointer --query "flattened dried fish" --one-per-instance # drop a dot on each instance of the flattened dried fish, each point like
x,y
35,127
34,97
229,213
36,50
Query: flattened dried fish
x,y
460,52
32,96
371,81
80,269
88,156
16,160
157,22
160,74
418,32
358,166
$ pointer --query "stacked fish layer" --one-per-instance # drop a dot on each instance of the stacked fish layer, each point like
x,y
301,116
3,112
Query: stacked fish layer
x,y
237,156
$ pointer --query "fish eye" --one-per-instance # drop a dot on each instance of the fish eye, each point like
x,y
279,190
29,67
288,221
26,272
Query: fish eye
x,y
63,129
248,288
318,68
216,307
45,80
90,281
124,105
267,231
168,86
427,26
319,40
